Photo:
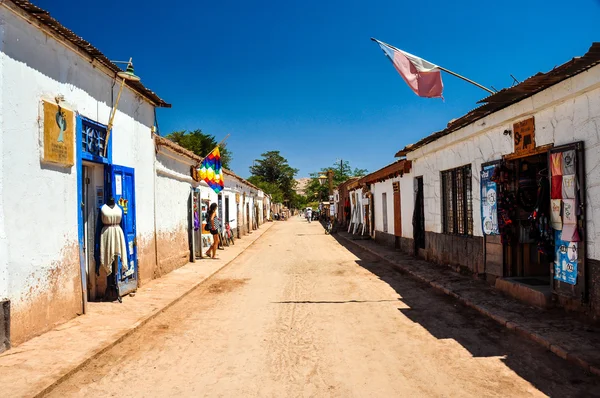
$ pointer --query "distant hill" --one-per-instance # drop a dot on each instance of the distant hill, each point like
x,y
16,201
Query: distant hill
x,y
301,185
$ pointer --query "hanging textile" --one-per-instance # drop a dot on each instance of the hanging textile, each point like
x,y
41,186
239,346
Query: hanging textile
x,y
489,203
555,216
211,171
568,186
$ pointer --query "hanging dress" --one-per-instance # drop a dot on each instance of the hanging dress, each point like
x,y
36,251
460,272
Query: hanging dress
x,y
112,238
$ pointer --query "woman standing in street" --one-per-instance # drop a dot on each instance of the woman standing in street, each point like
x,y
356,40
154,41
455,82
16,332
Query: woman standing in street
x,y
212,226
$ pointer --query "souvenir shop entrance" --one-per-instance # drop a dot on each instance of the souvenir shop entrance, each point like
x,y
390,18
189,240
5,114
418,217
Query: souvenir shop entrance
x,y
537,238
523,216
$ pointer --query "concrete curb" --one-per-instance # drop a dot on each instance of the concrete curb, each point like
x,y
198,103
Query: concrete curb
x,y
556,349
141,323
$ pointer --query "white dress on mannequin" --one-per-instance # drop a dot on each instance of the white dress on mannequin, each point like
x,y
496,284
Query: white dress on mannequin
x,y
112,238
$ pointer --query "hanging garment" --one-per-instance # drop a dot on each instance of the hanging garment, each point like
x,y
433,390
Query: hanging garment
x,y
556,164
569,215
555,216
568,187
556,188
568,162
570,231
112,238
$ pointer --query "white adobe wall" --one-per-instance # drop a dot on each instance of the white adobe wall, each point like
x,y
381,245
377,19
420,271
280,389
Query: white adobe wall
x,y
378,189
4,254
564,113
173,191
407,203
40,214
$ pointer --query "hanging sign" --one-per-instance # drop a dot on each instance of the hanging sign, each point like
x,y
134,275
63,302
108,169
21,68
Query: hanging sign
x,y
565,261
489,205
118,185
524,136
58,134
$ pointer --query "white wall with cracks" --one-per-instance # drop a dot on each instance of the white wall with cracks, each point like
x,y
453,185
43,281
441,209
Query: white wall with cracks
x,y
564,113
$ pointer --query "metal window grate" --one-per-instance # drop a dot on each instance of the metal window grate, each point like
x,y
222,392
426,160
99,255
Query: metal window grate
x,y
457,201
469,200
459,179
93,138
448,201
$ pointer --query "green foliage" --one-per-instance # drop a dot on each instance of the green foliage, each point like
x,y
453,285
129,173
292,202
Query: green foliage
x,y
273,169
201,144
268,187
341,173
298,201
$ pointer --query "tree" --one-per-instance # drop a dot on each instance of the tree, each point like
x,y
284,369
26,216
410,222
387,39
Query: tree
x,y
268,187
341,173
274,169
201,144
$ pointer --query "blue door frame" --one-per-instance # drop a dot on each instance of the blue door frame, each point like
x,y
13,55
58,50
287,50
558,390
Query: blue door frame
x,y
90,141
120,181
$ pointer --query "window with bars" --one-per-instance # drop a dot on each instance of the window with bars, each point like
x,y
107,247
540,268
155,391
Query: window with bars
x,y
457,201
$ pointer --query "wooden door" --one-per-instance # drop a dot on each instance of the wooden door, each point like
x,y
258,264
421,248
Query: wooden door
x,y
397,210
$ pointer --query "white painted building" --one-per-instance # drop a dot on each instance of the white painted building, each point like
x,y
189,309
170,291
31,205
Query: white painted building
x,y
56,93
380,210
516,132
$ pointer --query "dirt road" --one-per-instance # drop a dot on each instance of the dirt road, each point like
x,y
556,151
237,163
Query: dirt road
x,y
300,315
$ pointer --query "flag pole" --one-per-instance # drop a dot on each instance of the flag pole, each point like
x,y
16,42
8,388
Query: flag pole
x,y
223,140
443,69
218,145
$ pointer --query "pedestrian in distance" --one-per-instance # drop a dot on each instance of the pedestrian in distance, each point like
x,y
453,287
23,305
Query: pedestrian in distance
x,y
309,215
211,225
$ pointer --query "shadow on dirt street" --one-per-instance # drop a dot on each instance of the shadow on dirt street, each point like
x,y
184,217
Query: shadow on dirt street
x,y
446,318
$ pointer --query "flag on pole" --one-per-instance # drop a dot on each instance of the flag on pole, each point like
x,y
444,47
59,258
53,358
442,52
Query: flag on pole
x,y
211,171
423,77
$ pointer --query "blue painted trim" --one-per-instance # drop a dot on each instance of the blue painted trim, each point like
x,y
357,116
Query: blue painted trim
x,y
81,156
80,226
79,174
89,156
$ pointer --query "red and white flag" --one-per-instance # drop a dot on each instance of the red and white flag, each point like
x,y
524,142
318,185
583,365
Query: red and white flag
x,y
423,77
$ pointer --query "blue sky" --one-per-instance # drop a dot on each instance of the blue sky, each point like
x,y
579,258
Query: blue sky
x,y
303,77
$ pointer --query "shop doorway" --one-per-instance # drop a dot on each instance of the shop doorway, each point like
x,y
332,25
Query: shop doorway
x,y
227,209
419,216
121,185
397,214
527,240
93,197
239,220
248,217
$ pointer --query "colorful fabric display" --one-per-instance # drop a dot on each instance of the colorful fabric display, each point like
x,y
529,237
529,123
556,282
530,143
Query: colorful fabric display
x,y
556,188
568,162
568,187
556,161
555,216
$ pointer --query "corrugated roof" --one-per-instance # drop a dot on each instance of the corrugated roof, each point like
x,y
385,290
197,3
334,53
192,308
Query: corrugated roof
x,y
509,96
47,20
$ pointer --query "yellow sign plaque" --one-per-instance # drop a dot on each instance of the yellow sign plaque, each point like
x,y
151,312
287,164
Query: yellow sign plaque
x,y
59,134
